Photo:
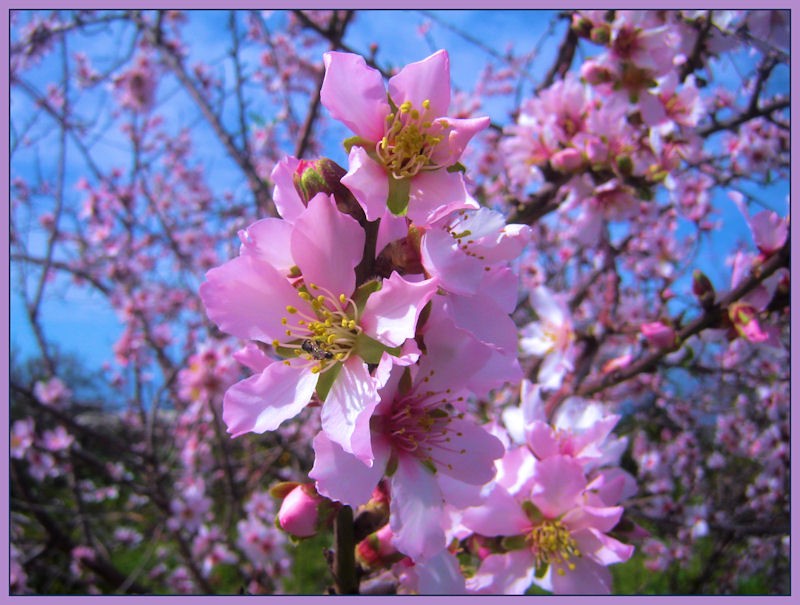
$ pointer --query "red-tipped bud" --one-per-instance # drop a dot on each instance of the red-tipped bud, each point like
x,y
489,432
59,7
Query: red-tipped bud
x,y
377,550
325,176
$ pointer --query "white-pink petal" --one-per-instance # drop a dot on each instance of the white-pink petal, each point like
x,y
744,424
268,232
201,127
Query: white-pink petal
x,y
348,408
263,401
355,94
391,313
285,195
341,476
368,182
327,245
247,297
417,510
428,79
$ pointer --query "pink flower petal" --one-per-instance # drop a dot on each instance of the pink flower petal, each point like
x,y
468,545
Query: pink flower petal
x,y
603,549
441,575
285,195
602,518
343,477
354,93
461,132
428,79
262,402
269,239
499,515
587,578
509,573
558,482
391,313
435,194
348,408
417,515
327,245
443,259
368,182
481,317
470,453
247,297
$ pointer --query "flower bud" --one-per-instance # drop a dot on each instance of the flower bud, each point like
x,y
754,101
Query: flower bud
x,y
596,73
744,318
659,335
567,160
377,550
703,290
324,176
601,34
303,511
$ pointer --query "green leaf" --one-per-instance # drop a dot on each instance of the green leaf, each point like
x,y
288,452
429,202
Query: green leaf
x,y
363,292
370,350
399,192
326,380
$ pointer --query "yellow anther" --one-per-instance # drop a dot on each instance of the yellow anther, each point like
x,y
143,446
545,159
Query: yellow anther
x,y
426,104
320,299
290,309
352,324
316,369
304,295
284,321
345,322
342,298
405,107
275,343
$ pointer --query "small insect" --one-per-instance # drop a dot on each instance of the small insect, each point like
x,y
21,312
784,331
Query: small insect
x,y
312,348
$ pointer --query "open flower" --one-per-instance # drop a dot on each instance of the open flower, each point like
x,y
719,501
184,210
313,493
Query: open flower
x,y
404,142
293,287
423,441
555,529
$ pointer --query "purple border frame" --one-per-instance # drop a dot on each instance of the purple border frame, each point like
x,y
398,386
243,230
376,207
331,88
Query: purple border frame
x,y
6,5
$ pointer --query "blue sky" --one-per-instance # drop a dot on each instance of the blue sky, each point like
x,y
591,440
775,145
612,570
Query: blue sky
x,y
81,322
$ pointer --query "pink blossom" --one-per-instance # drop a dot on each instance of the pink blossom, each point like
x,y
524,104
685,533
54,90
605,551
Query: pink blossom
x,y
310,318
420,433
22,434
768,228
404,144
52,392
554,524
550,338
56,440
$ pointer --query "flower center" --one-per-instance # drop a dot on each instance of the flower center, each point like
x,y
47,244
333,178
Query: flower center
x,y
410,141
551,543
419,424
325,337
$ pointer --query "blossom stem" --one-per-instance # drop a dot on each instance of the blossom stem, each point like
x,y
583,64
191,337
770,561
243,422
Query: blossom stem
x,y
344,556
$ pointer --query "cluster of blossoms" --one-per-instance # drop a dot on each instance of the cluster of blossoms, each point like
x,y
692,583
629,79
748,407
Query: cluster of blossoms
x,y
383,296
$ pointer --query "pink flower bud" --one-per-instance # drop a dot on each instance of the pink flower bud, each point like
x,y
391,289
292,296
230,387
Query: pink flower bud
x,y
300,512
324,176
745,319
659,335
377,550
567,160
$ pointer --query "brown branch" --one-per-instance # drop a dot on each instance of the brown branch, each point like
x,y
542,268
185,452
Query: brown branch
x,y
709,318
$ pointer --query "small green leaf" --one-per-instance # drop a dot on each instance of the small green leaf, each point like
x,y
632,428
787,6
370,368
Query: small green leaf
x,y
399,192
363,292
370,350
326,380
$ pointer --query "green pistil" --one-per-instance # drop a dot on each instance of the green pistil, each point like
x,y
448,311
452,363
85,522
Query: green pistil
x,y
551,543
408,144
